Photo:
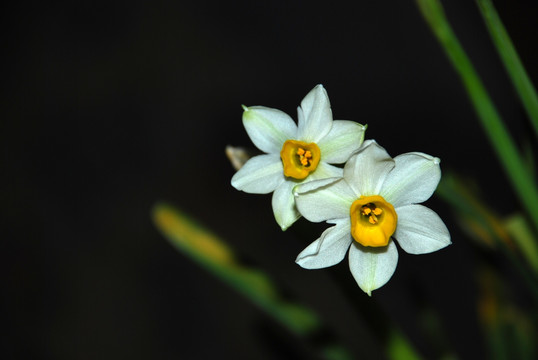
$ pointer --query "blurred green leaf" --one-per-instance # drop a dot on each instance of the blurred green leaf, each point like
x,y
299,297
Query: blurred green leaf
x,y
488,229
504,146
489,314
479,221
523,334
511,61
399,348
433,330
520,231
214,255
510,332
335,353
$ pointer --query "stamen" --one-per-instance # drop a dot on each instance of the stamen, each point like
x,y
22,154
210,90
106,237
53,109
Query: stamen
x,y
372,212
305,157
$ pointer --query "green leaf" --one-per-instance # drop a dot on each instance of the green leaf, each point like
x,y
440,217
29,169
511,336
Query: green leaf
x,y
522,235
488,228
479,221
510,331
399,348
210,252
213,254
494,127
511,61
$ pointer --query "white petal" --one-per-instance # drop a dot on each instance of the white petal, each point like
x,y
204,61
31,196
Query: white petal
x,y
331,201
324,171
344,139
420,230
260,174
315,117
368,142
366,171
268,128
308,186
284,205
413,179
372,267
329,249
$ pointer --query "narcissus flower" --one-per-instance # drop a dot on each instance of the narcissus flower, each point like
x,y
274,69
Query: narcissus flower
x,y
295,153
373,204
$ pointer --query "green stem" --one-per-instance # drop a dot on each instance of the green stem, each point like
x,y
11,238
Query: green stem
x,y
511,61
490,119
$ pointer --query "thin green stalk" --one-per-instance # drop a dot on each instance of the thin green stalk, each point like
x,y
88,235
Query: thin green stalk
x,y
490,119
511,61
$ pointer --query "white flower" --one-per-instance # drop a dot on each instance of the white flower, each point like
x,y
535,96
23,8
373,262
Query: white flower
x,y
375,203
295,153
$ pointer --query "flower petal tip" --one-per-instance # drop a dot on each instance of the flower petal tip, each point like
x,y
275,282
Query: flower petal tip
x,y
302,261
305,263
233,182
286,221
245,108
367,291
436,160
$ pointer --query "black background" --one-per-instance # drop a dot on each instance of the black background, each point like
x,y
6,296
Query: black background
x,y
110,107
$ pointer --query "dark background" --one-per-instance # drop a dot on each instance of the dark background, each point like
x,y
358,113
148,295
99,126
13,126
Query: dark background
x,y
110,107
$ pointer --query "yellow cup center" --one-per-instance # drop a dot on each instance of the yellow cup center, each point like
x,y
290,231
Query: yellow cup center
x,y
299,158
373,221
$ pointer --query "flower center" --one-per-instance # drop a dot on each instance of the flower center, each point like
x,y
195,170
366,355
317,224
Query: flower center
x,y
373,221
299,158
305,157
371,211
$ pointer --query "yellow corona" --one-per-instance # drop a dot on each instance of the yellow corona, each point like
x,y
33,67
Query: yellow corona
x,y
299,158
373,221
